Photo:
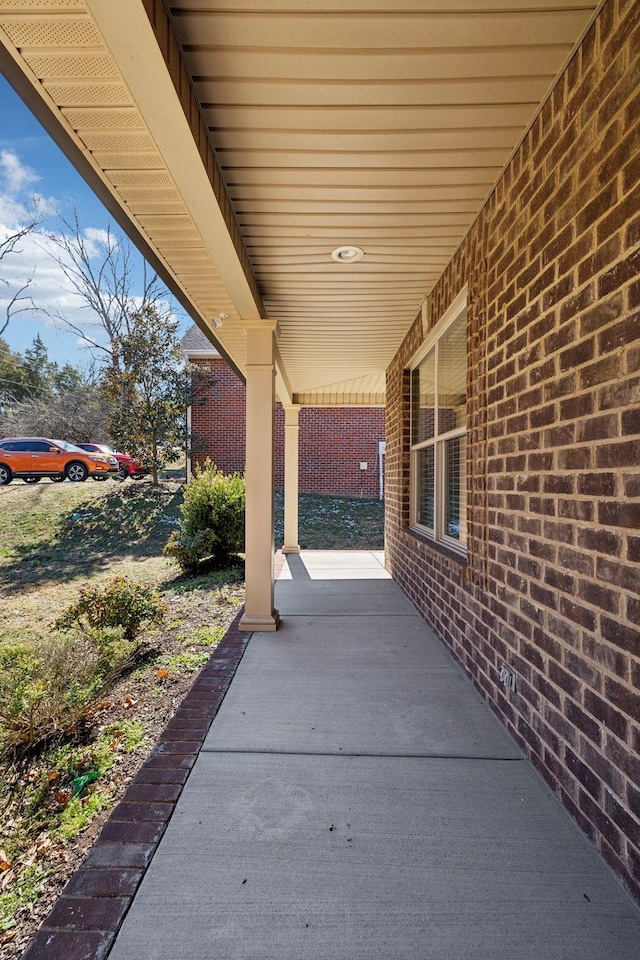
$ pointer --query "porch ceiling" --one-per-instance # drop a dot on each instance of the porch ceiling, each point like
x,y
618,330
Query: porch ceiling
x,y
241,141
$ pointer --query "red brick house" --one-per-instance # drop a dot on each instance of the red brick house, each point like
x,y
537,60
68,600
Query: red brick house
x,y
444,197
341,449
538,314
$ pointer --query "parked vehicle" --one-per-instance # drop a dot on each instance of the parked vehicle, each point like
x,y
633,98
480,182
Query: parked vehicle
x,y
127,466
31,458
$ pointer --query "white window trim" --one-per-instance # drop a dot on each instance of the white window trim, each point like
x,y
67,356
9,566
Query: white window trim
x,y
451,313
437,534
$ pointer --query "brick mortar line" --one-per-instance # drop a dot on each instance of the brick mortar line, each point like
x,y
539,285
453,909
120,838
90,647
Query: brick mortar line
x,y
84,921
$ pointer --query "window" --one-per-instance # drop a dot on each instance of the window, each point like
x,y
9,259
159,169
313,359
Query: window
x,y
17,445
438,431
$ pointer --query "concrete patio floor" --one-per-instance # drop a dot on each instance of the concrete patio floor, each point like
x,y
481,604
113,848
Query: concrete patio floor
x,y
355,798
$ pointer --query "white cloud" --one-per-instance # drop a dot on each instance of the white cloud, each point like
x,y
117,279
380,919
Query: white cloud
x,y
30,262
15,176
49,288
98,236
98,241
18,202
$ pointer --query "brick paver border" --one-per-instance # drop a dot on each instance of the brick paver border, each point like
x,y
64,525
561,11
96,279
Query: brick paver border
x,y
84,921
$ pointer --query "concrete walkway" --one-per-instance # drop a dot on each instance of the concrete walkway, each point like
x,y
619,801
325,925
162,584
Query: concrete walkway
x,y
356,799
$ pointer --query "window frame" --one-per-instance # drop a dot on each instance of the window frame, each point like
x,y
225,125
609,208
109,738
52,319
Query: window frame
x,y
439,441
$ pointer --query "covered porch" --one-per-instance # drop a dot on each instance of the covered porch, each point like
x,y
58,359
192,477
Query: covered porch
x,y
353,797
432,206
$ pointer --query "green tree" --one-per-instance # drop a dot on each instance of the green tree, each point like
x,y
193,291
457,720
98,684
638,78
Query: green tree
x,y
149,387
38,369
13,387
68,378
25,377
38,397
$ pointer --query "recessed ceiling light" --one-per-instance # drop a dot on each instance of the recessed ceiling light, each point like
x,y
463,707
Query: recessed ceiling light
x,y
347,254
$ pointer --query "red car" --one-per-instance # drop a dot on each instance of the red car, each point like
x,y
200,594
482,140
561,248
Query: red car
x,y
127,466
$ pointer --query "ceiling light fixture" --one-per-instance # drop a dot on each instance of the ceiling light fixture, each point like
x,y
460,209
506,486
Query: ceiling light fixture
x,y
347,254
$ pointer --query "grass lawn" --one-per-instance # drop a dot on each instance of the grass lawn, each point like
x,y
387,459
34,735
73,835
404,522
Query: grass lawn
x,y
56,538
334,523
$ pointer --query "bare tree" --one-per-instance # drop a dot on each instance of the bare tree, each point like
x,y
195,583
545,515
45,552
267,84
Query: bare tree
x,y
100,274
77,413
19,301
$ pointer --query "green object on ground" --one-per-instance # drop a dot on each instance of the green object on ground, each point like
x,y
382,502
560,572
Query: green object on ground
x,y
78,785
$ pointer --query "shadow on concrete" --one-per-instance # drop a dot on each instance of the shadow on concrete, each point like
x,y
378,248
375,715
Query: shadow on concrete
x,y
297,567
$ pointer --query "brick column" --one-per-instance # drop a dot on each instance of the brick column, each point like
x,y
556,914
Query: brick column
x,y
291,432
260,392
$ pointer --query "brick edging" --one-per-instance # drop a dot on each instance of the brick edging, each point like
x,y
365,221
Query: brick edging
x,y
84,921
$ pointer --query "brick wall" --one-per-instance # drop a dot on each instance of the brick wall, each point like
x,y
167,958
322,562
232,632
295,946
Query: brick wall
x,y
218,417
333,441
552,582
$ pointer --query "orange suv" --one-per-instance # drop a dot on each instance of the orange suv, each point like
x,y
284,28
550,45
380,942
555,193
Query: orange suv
x,y
31,458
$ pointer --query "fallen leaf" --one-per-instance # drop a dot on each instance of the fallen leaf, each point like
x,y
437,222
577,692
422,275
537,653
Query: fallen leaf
x,y
43,843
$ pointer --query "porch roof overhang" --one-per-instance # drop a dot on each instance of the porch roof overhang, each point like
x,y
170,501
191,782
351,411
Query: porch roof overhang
x,y
239,142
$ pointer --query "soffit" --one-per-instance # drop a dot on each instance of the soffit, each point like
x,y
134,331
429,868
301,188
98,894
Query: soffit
x,y
376,123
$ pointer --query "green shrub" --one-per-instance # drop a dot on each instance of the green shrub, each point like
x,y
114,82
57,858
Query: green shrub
x,y
118,603
47,687
212,525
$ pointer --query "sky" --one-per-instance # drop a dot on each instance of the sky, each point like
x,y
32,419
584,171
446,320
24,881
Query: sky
x,y
31,165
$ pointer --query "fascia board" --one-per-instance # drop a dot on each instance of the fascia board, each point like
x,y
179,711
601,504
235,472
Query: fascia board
x,y
128,34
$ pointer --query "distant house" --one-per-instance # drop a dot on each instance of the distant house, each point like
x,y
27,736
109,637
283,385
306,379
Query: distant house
x,y
341,449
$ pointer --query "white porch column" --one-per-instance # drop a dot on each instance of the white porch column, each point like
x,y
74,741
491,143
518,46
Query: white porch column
x,y
260,392
291,432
